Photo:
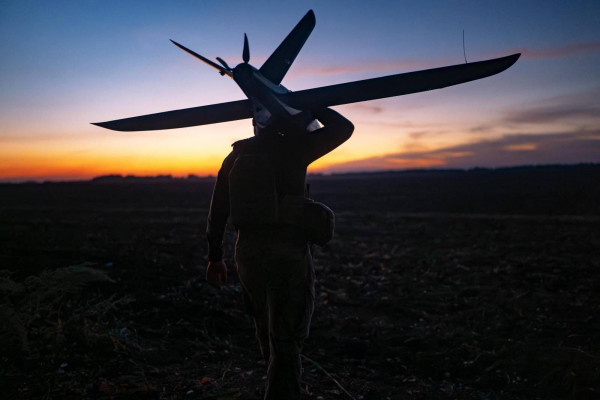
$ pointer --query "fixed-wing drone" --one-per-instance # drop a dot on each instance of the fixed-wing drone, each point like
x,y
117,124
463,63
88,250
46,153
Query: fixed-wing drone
x,y
268,100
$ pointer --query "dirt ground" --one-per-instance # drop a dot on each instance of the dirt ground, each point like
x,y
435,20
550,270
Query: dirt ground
x,y
438,285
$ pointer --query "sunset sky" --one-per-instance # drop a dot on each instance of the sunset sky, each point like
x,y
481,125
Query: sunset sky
x,y
65,64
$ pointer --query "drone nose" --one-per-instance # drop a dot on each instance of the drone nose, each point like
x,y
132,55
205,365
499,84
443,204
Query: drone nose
x,y
241,71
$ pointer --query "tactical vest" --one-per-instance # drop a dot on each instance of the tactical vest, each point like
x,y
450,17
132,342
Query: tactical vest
x,y
252,191
254,201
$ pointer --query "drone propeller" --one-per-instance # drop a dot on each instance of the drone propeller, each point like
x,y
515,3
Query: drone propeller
x,y
222,71
224,68
246,52
223,63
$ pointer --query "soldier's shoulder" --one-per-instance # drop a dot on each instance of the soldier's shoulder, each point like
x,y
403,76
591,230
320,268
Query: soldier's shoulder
x,y
240,144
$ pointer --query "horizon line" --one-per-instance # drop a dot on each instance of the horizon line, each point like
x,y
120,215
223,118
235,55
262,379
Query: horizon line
x,y
191,176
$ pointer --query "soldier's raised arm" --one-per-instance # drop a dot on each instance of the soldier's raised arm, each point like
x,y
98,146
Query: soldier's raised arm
x,y
335,131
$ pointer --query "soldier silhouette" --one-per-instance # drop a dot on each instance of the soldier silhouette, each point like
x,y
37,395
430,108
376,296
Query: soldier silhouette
x,y
261,189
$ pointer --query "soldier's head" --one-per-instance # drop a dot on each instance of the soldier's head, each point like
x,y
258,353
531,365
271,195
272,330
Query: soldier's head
x,y
263,130
295,124
299,123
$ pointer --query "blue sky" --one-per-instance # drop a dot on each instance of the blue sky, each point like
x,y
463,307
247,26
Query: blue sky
x,y
65,64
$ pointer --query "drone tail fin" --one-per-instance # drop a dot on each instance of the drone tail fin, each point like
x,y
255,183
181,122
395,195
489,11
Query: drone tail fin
x,y
278,64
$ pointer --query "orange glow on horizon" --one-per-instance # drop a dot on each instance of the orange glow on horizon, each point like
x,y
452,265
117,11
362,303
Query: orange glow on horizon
x,y
59,167
45,163
91,170
200,151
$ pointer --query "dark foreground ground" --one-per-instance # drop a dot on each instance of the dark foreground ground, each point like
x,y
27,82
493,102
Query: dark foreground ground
x,y
458,285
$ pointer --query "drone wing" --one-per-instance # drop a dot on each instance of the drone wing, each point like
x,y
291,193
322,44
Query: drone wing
x,y
326,96
278,64
396,85
203,115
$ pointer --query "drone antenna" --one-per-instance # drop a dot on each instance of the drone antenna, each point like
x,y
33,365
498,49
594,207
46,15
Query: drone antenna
x,y
464,51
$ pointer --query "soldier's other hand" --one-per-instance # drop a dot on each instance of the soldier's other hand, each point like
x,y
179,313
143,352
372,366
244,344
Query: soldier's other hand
x,y
216,273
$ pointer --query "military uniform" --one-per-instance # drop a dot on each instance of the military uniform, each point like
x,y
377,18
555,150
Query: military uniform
x,y
273,258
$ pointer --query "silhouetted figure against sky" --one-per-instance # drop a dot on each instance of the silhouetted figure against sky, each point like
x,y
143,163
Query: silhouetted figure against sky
x,y
261,183
261,187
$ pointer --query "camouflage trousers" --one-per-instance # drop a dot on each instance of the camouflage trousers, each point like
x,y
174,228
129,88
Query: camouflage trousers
x,y
277,275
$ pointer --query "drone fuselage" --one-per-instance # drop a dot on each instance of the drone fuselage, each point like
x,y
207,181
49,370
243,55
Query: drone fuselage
x,y
264,94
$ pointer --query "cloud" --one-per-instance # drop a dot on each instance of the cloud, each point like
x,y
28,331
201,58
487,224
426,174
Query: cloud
x,y
366,107
548,114
390,162
407,65
418,134
580,107
481,129
388,124
559,51
426,133
508,150
520,149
